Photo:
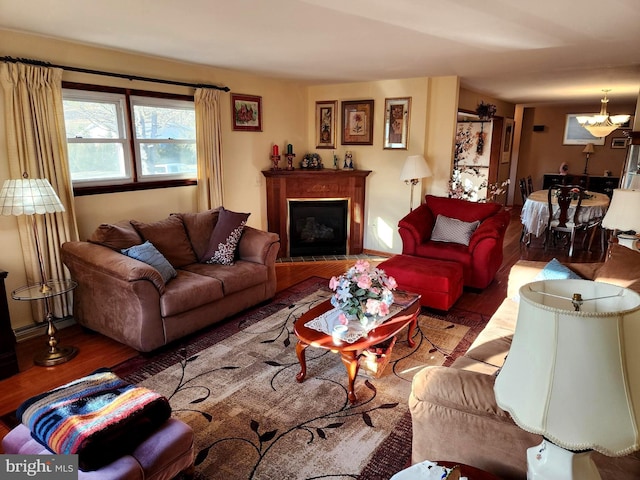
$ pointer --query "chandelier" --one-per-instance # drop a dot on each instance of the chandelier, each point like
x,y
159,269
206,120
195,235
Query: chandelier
x,y
602,124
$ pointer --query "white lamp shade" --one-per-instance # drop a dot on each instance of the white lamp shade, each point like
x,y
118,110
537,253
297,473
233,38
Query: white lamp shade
x,y
415,167
28,197
624,211
574,376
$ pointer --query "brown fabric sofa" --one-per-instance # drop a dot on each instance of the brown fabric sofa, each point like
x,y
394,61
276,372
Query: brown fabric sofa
x,y
454,412
128,300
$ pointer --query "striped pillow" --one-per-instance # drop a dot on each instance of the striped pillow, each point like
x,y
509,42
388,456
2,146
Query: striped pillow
x,y
453,230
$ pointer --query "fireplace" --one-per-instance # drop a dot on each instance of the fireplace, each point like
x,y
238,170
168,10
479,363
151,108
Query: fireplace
x,y
318,226
319,186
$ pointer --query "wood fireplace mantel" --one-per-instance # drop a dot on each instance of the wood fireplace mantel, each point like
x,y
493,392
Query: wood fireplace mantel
x,y
325,183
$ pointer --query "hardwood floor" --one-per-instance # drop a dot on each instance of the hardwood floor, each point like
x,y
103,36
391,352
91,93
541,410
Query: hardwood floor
x,y
97,351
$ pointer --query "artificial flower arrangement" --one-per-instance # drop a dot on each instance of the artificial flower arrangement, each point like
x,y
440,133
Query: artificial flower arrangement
x,y
362,292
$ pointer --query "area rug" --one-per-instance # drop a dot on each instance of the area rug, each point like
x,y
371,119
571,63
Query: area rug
x,y
235,385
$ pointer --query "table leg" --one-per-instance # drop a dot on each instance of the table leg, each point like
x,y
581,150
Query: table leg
x,y
300,348
412,327
350,361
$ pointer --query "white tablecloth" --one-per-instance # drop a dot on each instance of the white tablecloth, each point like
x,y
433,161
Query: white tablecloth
x,y
535,211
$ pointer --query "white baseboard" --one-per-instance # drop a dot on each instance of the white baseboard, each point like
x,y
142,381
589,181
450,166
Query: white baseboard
x,y
40,329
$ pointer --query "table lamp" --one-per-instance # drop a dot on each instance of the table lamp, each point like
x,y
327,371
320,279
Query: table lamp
x,y
623,215
573,375
415,167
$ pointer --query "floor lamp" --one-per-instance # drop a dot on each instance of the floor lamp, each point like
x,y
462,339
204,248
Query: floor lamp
x,y
572,375
623,215
415,167
32,197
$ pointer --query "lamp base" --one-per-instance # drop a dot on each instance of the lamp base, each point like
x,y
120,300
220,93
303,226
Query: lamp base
x,y
548,461
60,355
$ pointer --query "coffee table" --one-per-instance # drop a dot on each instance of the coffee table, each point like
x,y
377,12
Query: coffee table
x,y
407,316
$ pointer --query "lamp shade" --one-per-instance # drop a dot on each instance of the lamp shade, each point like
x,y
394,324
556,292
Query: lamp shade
x,y
588,148
29,196
623,212
415,167
574,376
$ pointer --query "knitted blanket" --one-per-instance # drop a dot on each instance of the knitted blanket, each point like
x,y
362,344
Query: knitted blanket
x,y
99,417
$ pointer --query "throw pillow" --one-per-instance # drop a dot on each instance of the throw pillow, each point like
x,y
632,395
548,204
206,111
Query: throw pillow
x,y
116,235
453,230
170,238
554,270
150,255
225,237
621,267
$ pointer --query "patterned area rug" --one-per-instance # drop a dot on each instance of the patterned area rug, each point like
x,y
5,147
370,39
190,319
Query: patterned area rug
x,y
235,385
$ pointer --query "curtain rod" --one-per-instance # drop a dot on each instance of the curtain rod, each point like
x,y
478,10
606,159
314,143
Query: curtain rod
x,y
40,63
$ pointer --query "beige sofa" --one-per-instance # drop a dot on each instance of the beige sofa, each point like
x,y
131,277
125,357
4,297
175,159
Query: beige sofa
x,y
454,411
128,300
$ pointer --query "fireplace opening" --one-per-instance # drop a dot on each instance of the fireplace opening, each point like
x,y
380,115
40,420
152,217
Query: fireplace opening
x,y
318,227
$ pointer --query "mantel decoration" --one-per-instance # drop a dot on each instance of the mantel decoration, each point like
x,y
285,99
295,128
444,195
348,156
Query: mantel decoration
x,y
311,161
362,293
486,111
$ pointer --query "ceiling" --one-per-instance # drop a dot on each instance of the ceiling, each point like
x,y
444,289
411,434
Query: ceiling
x,y
523,52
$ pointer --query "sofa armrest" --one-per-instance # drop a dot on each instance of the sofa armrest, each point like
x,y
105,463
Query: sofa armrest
x,y
493,227
91,256
255,246
415,228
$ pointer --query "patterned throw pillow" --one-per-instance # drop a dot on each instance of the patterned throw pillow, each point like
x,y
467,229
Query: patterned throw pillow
x,y
225,237
453,230
150,255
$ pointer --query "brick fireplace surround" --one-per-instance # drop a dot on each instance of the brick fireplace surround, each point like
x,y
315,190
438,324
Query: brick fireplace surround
x,y
283,185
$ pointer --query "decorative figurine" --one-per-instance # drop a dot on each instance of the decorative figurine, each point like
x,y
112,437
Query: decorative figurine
x,y
335,161
348,159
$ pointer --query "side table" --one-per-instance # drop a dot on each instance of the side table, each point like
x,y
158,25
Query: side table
x,y
54,355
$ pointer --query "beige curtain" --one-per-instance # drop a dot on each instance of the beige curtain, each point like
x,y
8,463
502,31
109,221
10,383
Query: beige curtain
x,y
37,146
209,148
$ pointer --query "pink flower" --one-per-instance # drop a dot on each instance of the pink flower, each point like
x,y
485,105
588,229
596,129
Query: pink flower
x,y
362,266
364,281
372,306
333,283
391,283
342,318
384,309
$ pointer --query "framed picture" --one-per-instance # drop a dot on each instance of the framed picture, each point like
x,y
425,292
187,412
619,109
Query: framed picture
x,y
507,140
326,112
619,142
246,111
357,122
396,123
576,134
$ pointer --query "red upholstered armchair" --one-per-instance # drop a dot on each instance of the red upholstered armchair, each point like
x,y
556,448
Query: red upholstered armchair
x,y
481,258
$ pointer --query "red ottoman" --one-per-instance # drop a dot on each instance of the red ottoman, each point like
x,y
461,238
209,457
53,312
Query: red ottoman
x,y
437,281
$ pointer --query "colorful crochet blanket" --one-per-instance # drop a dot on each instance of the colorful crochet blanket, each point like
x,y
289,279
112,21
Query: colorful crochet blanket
x,y
99,417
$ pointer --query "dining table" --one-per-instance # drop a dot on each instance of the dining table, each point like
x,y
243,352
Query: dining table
x,y
535,211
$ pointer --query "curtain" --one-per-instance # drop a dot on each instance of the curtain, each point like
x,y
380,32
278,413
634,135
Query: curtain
x,y
209,148
37,146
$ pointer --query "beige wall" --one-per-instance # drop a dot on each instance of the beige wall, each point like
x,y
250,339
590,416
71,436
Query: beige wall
x,y
543,152
431,130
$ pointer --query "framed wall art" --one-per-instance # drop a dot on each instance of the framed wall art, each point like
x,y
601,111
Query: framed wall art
x,y
246,111
576,134
619,142
326,112
396,123
357,122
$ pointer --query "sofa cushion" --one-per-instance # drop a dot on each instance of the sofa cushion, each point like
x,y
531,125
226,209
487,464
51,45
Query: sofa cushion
x,y
461,209
116,236
188,291
170,238
199,227
621,268
452,230
226,235
150,255
234,278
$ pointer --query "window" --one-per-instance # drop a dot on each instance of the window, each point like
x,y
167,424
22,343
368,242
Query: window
x,y
128,139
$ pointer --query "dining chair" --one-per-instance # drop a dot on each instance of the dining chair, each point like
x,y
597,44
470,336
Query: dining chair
x,y
529,185
567,221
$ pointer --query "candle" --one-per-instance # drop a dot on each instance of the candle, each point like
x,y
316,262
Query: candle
x,y
289,148
275,150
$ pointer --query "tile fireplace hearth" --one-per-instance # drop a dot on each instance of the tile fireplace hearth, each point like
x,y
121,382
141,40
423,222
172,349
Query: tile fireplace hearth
x,y
285,187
